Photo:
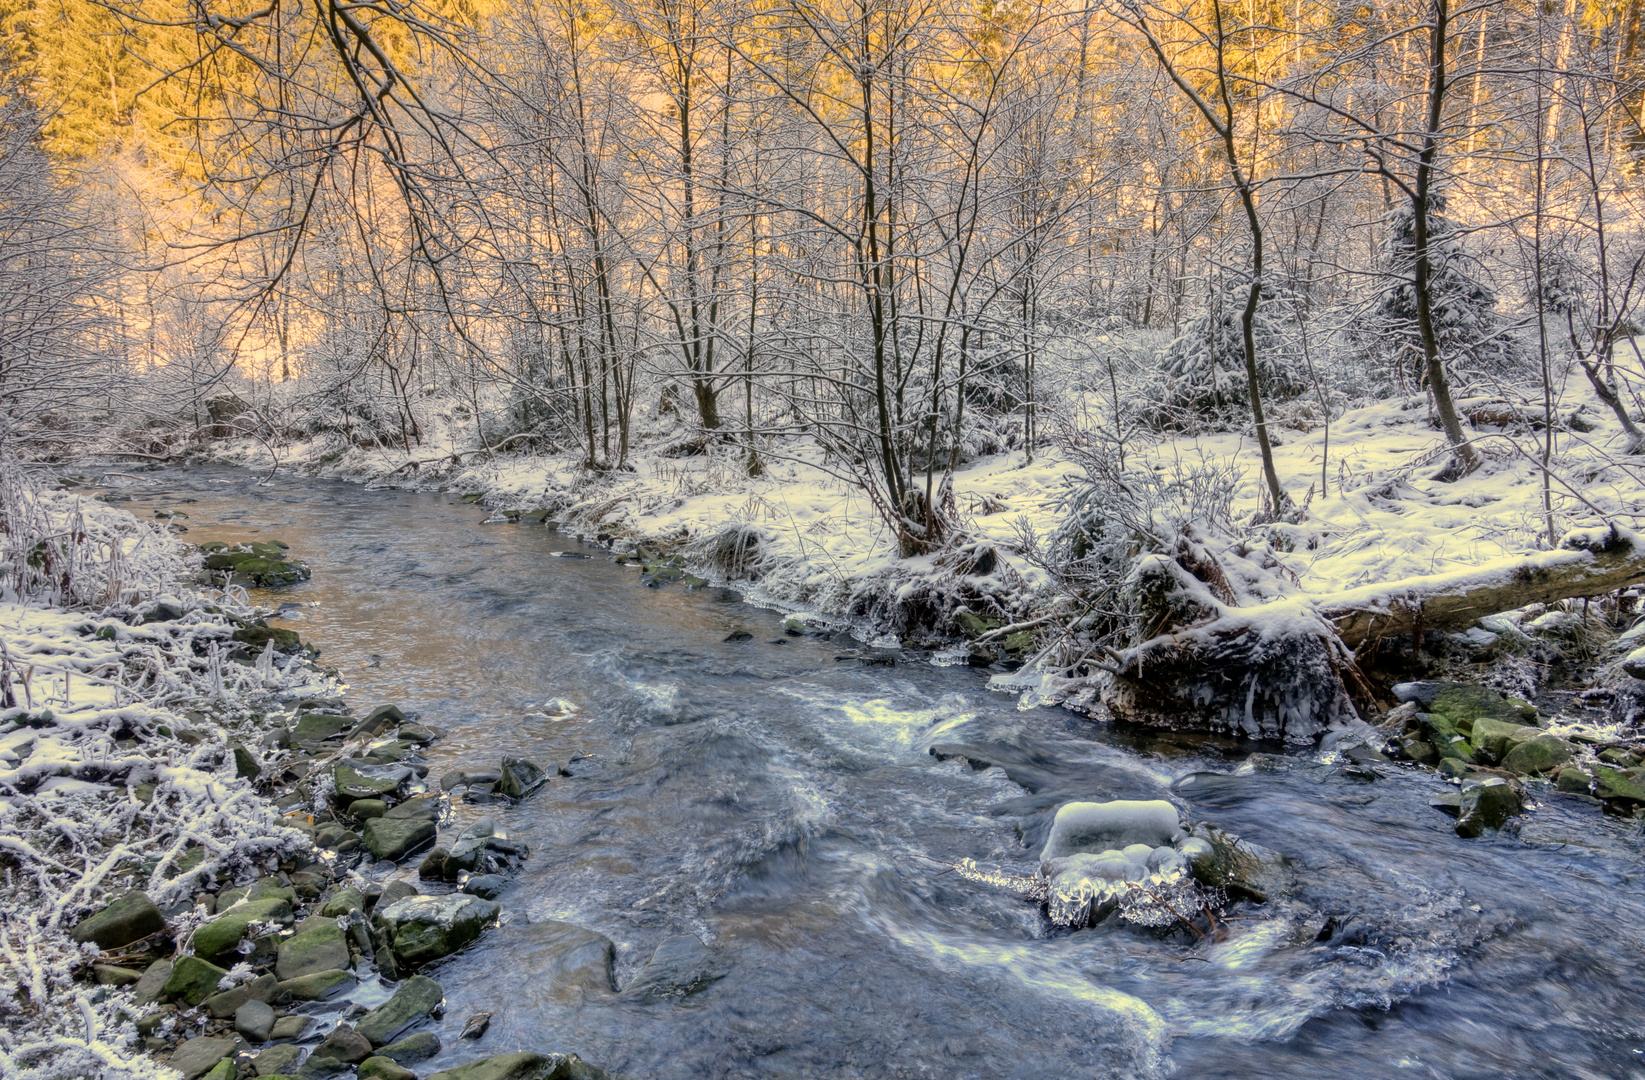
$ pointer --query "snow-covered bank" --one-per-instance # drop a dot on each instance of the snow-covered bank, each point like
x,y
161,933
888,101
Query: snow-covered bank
x,y
804,537
117,770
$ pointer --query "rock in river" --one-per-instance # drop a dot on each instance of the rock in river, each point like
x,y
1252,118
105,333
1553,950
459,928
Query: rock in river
x,y
322,948
423,929
524,1067
418,997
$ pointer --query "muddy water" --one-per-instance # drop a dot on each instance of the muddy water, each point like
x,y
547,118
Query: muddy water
x,y
781,803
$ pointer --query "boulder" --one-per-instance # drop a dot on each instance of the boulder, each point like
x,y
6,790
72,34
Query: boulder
x,y
416,998
277,1061
222,936
192,980
1096,827
382,1068
1487,806
392,839
679,967
354,779
317,987
198,1056
261,889
291,1028
1493,739
1240,868
314,728
365,809
153,983
224,1005
1612,783
343,902
111,975
422,1045
344,1046
423,929
570,960
524,1066
321,949
485,886
128,918
1539,754
520,778
1573,781
254,1020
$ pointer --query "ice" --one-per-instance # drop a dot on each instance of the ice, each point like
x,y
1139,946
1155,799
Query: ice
x,y
1093,827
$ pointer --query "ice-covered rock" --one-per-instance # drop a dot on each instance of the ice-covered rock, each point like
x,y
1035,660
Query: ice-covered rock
x,y
1096,827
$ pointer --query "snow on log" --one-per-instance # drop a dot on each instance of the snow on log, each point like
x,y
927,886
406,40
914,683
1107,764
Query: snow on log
x,y
1588,562
1274,672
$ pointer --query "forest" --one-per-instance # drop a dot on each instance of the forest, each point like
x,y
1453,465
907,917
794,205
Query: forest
x,y
1251,396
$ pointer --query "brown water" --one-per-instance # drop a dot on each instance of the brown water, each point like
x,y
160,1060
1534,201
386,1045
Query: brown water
x,y
781,804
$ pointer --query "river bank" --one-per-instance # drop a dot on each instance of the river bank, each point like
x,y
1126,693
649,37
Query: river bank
x,y
794,806
175,812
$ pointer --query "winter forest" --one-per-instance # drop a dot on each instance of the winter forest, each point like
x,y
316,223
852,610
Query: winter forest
x,y
1247,398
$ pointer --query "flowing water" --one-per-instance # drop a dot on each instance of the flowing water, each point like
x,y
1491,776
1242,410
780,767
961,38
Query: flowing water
x,y
781,803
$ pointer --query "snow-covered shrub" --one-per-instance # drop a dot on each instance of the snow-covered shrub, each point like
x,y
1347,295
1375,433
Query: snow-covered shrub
x,y
1476,344
1202,374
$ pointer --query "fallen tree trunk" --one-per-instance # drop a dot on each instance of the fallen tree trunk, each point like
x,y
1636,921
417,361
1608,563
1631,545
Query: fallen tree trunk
x,y
1587,563
1285,670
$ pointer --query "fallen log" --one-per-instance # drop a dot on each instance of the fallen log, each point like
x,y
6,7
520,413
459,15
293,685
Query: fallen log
x,y
1286,670
1587,563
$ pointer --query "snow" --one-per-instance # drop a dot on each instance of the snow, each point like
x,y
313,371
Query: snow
x,y
1101,827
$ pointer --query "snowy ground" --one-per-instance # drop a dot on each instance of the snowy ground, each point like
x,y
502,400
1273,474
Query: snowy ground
x,y
115,773
1373,513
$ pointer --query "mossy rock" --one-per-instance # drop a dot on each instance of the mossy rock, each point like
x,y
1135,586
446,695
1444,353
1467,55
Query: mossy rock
x,y
524,1066
1615,784
316,987
1492,739
1488,806
1539,754
321,949
365,780
416,998
973,625
1573,781
222,935
129,918
318,727
258,635
392,839
1462,704
423,929
192,980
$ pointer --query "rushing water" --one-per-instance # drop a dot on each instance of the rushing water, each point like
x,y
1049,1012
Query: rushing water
x,y
780,802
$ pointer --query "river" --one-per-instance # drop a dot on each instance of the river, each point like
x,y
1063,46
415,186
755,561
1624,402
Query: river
x,y
780,802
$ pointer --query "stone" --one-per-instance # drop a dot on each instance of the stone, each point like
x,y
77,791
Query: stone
x,y
336,837
1612,783
393,839
1539,754
196,1057
423,808
222,936
571,962
433,866
418,997
224,1005
318,727
223,1070
423,929
418,1047
524,1066
380,719
261,889
1096,827
290,1028
355,779
153,983
1492,739
1487,806
344,1045
1449,803
316,987
321,949
343,902
245,763
476,1026
110,975
277,1061
485,886
1462,703
382,1068
1573,781
679,967
520,777
192,980
416,733
257,635
365,809
394,891
128,918
1240,868
254,1020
